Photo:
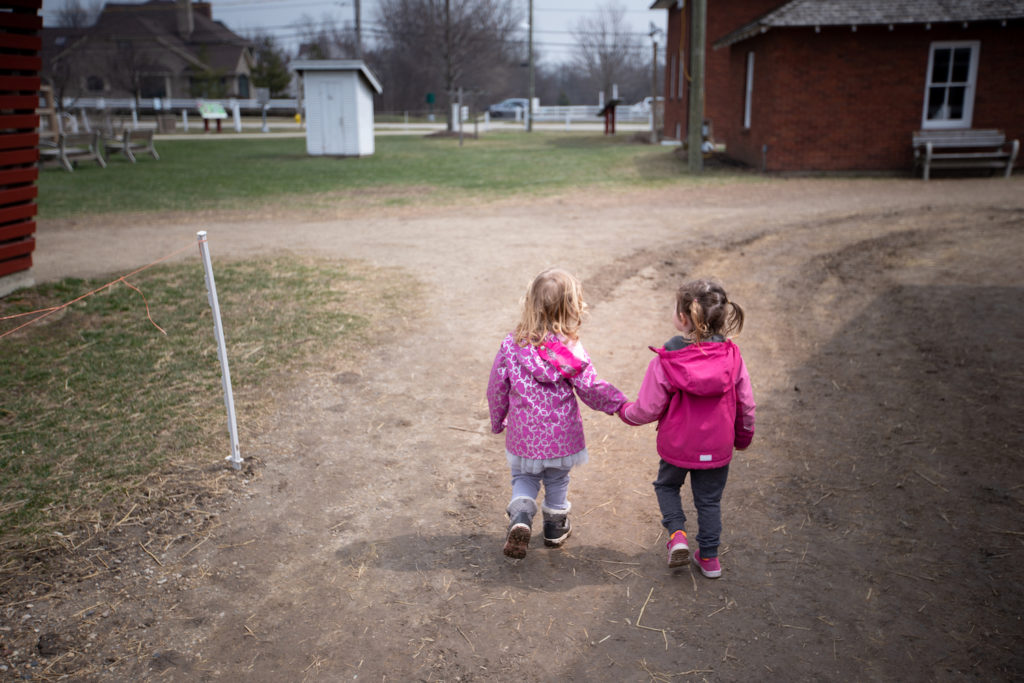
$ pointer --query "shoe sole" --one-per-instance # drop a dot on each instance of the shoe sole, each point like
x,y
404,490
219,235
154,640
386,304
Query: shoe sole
x,y
555,542
679,557
708,574
517,542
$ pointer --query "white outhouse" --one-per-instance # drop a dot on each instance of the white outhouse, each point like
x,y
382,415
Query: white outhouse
x,y
338,96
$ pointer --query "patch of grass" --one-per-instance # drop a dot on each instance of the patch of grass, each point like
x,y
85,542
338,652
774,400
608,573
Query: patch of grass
x,y
96,399
243,173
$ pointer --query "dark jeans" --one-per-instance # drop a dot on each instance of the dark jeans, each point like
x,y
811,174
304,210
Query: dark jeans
x,y
707,487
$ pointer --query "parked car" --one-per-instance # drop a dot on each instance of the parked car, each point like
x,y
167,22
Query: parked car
x,y
644,105
508,107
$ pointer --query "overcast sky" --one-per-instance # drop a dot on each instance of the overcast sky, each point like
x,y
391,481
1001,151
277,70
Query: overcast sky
x,y
553,19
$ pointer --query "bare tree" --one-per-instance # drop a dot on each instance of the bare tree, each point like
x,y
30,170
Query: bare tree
x,y
78,13
324,39
607,52
437,46
130,64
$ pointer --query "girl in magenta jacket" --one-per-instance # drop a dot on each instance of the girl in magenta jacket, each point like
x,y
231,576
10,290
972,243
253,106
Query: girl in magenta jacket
x,y
537,374
698,390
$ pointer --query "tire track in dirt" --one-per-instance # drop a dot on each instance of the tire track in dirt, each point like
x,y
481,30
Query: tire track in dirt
x,y
370,546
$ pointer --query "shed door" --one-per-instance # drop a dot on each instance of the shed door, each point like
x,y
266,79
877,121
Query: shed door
x,y
332,123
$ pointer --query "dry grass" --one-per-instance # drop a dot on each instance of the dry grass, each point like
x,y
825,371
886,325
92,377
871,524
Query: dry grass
x,y
105,421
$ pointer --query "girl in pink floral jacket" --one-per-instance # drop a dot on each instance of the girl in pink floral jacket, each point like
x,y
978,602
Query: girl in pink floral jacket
x,y
537,374
699,391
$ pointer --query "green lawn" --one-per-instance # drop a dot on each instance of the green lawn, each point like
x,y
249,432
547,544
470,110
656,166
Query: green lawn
x,y
240,173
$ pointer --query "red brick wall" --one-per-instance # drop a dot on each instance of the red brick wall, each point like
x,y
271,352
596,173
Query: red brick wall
x,y
19,96
845,100
675,46
723,16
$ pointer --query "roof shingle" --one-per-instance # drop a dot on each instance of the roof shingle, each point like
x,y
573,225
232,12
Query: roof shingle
x,y
868,12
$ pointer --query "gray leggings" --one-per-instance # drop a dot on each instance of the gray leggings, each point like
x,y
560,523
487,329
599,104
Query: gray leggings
x,y
707,487
525,487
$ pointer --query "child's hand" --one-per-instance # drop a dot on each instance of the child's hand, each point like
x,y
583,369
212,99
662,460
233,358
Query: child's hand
x,y
622,413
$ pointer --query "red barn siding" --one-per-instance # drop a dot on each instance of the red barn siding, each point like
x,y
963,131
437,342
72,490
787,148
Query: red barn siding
x,y
19,95
722,17
721,100
846,100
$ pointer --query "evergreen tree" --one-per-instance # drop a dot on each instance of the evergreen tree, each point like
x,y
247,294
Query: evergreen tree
x,y
271,68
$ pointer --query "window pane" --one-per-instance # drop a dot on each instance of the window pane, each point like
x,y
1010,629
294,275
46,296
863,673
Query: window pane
x,y
961,64
956,102
940,67
936,100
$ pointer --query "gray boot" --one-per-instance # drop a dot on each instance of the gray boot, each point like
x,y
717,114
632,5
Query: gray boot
x,y
520,513
556,525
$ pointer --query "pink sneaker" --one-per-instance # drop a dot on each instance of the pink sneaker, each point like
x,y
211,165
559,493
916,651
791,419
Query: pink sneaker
x,y
710,568
678,550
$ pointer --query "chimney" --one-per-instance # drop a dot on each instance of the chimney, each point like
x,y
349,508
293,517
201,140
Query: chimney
x,y
204,9
185,23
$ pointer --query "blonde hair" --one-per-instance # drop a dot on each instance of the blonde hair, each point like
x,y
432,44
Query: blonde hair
x,y
709,310
553,305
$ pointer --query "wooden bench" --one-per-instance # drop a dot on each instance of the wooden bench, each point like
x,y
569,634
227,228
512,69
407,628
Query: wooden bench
x,y
70,148
963,148
130,142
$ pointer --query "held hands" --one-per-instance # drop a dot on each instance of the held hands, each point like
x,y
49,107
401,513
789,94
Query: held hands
x,y
622,413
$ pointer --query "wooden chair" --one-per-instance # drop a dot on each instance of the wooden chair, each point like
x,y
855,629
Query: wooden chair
x,y
70,148
130,142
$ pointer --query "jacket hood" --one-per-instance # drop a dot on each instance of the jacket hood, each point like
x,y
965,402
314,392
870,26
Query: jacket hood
x,y
707,369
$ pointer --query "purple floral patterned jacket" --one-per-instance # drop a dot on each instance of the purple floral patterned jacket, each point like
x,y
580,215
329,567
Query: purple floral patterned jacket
x,y
530,392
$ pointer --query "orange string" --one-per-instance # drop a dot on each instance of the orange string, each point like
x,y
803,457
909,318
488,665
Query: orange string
x,y
148,314
45,312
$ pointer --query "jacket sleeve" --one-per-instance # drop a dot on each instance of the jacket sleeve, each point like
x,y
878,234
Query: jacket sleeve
x,y
745,409
655,392
594,392
498,387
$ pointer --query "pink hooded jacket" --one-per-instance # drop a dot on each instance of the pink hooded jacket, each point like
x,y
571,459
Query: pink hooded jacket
x,y
703,402
531,391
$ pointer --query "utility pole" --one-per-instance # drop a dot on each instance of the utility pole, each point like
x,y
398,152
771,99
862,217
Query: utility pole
x,y
529,106
695,127
654,86
359,30
448,80
460,116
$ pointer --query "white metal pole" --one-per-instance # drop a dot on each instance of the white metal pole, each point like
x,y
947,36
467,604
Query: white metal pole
x,y
222,351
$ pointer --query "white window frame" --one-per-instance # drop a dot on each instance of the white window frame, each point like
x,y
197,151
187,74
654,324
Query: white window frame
x,y
672,79
970,85
748,91
681,75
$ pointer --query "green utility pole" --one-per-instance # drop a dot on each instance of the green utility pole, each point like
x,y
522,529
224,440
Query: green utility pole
x,y
654,87
695,123
529,107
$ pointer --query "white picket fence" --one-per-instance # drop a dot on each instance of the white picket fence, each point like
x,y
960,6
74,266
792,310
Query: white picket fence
x,y
291,106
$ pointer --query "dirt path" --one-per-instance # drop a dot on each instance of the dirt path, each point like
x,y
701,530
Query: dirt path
x,y
872,532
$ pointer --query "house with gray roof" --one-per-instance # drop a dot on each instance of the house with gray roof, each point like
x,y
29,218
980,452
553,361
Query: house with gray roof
x,y
842,85
160,48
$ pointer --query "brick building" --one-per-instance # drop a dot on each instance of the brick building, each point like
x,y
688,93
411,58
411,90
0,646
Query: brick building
x,y
840,85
